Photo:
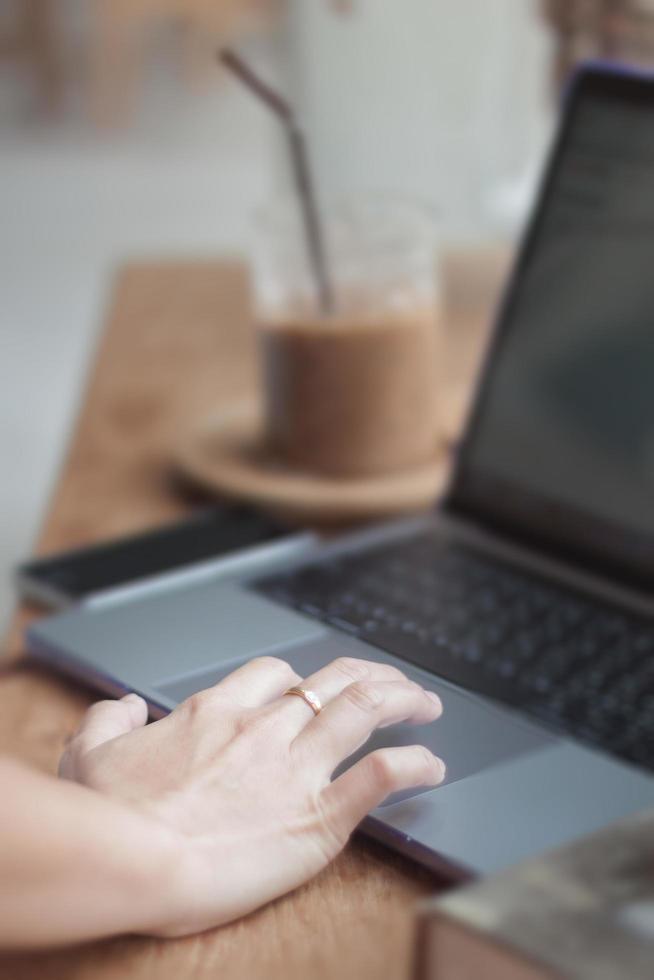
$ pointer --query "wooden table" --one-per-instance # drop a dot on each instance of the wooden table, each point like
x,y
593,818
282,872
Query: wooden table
x,y
178,345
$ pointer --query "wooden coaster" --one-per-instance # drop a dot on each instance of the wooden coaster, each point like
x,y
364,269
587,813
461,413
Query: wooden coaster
x,y
227,456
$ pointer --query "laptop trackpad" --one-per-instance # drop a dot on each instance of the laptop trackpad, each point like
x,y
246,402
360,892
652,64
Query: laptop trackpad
x,y
470,736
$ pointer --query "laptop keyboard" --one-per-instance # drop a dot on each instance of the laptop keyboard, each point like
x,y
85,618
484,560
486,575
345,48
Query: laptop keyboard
x,y
580,666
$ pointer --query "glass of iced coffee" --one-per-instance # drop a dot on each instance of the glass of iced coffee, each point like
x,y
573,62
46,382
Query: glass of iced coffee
x,y
350,390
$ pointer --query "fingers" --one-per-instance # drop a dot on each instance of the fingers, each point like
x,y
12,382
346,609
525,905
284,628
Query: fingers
x,y
348,721
101,723
258,682
330,681
367,784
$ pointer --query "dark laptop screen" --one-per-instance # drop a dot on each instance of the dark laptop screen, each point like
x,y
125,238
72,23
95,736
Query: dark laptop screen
x,y
561,444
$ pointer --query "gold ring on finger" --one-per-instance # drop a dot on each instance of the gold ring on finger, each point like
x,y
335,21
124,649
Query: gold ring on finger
x,y
309,697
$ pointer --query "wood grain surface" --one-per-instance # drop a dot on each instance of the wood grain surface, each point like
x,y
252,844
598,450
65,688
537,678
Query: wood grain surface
x,y
178,345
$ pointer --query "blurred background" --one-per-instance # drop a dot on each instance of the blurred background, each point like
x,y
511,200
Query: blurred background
x,y
121,137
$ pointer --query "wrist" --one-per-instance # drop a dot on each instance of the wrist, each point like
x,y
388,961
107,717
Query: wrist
x,y
176,878
156,882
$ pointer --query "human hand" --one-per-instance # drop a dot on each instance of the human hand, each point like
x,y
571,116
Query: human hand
x,y
239,776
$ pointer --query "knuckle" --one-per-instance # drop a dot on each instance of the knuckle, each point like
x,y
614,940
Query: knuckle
x,y
432,768
364,696
394,673
254,724
382,771
273,664
438,767
197,705
424,756
417,691
351,668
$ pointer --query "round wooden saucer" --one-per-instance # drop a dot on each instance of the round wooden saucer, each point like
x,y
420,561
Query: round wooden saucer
x,y
227,456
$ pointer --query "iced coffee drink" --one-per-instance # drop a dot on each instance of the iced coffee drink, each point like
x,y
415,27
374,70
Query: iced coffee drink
x,y
354,392
352,396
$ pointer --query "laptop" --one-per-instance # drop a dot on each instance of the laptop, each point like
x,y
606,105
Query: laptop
x,y
526,599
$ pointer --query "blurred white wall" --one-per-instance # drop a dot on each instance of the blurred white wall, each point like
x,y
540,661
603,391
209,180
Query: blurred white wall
x,y
443,100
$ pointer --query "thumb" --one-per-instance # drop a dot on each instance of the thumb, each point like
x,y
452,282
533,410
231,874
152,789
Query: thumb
x,y
104,721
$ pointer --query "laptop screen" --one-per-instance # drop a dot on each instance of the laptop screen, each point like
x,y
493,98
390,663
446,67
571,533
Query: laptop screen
x,y
561,441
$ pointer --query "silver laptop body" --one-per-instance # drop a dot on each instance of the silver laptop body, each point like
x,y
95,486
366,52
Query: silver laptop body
x,y
521,778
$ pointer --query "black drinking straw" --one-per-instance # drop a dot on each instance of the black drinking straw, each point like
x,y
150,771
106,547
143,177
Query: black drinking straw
x,y
301,173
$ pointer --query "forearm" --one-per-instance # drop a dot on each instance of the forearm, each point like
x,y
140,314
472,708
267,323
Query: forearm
x,y
75,865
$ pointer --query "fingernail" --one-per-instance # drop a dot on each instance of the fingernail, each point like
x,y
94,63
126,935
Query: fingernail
x,y
434,697
135,698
